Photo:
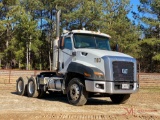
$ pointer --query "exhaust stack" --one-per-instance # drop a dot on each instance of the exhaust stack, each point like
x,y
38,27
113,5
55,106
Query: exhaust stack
x,y
55,42
57,23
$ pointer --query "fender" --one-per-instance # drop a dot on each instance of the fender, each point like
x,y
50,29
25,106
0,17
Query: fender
x,y
86,71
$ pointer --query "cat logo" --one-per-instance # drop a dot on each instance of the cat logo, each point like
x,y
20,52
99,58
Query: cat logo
x,y
125,71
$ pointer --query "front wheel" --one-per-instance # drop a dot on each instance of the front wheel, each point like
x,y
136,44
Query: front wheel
x,y
76,92
120,98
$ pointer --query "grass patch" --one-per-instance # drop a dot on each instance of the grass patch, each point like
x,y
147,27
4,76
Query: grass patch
x,y
150,89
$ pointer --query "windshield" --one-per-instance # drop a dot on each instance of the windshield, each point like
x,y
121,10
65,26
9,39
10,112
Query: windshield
x,y
91,41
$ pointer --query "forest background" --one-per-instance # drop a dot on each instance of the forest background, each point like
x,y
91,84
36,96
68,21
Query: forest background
x,y
27,29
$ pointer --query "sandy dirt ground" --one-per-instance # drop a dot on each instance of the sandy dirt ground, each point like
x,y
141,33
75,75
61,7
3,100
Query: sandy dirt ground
x,y
144,105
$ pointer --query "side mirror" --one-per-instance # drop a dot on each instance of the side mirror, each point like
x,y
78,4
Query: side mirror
x,y
61,43
117,47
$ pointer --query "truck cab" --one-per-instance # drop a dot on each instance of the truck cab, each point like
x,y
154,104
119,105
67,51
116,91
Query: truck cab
x,y
87,56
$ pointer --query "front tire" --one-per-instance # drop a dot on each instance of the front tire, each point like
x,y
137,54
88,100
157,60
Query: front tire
x,y
120,98
76,92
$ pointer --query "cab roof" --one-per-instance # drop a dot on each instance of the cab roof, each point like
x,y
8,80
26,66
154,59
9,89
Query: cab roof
x,y
88,32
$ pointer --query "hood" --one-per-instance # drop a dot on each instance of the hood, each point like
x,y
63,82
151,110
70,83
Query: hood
x,y
102,53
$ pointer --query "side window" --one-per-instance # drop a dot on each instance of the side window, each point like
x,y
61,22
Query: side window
x,y
68,43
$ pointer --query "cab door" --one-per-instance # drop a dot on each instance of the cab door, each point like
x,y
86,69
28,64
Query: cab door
x,y
66,54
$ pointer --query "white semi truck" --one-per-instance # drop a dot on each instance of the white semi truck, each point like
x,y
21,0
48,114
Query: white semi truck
x,y
84,65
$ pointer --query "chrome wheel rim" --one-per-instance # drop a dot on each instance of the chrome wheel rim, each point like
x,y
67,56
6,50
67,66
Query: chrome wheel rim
x,y
74,92
31,87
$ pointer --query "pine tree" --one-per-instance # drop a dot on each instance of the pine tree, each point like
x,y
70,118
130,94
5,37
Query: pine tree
x,y
22,33
80,14
5,30
122,30
150,46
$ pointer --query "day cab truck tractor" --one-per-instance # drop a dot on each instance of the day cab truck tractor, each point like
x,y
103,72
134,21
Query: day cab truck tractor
x,y
84,65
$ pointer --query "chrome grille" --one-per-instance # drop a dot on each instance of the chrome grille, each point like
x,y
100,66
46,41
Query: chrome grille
x,y
123,71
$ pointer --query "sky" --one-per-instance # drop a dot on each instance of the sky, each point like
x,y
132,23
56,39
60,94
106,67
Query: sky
x,y
135,3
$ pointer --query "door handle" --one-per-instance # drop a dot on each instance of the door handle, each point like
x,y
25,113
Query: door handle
x,y
62,65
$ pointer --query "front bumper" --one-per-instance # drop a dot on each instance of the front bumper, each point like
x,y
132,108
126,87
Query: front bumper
x,y
110,87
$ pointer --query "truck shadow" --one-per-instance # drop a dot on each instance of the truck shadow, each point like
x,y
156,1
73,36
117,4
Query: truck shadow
x,y
55,97
98,101
63,98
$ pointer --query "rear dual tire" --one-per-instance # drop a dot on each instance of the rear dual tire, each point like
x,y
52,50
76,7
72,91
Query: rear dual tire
x,y
21,86
32,88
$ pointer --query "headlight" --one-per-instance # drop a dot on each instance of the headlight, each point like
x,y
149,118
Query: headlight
x,y
94,75
99,75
